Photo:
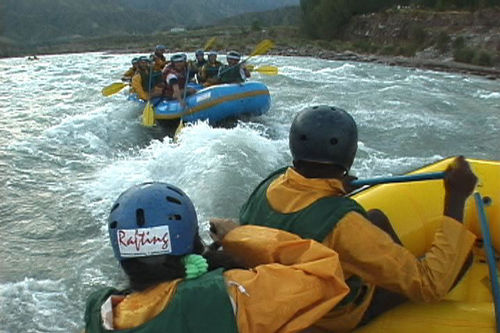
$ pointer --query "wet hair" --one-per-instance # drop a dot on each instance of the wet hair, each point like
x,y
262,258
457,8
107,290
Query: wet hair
x,y
149,271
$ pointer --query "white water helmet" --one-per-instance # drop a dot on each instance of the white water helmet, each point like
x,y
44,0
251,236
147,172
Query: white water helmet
x,y
160,47
152,219
233,55
324,134
178,57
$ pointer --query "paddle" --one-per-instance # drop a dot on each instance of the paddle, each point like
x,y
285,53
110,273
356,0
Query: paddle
x,y
208,45
148,114
398,179
113,88
260,49
266,70
490,256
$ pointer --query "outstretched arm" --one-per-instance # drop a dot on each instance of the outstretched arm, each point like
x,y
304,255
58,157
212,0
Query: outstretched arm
x,y
294,281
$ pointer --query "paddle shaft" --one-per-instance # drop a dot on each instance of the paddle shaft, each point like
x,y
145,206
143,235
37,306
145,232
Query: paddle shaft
x,y
398,179
261,48
490,257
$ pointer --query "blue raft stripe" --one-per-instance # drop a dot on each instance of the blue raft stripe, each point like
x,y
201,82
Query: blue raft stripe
x,y
213,103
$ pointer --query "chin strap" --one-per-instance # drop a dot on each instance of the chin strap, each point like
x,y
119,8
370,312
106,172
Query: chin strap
x,y
196,265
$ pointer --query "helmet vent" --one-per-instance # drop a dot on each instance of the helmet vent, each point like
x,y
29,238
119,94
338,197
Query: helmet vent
x,y
139,216
175,217
113,225
334,141
175,190
115,206
174,200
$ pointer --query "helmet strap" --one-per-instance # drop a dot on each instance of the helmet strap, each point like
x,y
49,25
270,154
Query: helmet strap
x,y
196,265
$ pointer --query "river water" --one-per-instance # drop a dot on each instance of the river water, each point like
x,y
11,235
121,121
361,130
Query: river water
x,y
66,152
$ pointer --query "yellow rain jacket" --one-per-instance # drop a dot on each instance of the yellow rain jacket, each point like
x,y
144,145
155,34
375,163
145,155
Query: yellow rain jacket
x,y
129,73
293,284
138,88
159,64
369,252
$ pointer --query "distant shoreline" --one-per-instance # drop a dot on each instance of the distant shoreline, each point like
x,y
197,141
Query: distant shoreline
x,y
413,62
490,73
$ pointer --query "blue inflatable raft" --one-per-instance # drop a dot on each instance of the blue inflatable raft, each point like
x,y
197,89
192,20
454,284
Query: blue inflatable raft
x,y
216,103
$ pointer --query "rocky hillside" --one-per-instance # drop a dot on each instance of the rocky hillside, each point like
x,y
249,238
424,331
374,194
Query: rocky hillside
x,y
472,37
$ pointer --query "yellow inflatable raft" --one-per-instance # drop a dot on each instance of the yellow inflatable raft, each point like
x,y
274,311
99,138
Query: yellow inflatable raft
x,y
469,306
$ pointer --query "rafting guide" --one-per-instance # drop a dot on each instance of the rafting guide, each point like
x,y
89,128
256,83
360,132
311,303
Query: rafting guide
x,y
310,199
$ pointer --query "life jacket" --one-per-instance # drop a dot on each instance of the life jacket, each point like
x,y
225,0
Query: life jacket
x,y
160,62
313,222
195,68
211,70
230,74
181,77
199,305
148,85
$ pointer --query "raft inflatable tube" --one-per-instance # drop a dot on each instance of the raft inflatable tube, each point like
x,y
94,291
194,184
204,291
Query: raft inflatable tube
x,y
217,103
469,306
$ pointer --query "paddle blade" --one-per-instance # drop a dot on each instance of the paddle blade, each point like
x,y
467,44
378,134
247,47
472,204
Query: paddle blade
x,y
148,115
113,88
262,47
267,70
178,130
209,43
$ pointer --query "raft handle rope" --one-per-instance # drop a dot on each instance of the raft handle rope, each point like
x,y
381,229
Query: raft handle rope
x,y
490,256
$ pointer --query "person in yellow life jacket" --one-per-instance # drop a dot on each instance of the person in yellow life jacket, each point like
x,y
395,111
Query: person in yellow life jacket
x,y
309,199
159,58
210,70
234,71
177,285
146,83
196,65
127,76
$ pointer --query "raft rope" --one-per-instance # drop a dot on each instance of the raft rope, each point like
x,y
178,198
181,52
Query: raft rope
x,y
490,257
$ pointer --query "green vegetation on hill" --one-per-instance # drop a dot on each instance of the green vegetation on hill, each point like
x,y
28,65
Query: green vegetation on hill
x,y
383,27
39,21
277,17
408,27
326,18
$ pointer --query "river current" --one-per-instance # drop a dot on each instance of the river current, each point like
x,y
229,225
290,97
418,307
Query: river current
x,y
67,152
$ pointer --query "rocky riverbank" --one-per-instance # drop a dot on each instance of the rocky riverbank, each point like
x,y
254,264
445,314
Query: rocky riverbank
x,y
460,42
449,65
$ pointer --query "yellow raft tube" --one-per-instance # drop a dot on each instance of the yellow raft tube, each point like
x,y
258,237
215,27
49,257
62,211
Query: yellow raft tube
x,y
469,306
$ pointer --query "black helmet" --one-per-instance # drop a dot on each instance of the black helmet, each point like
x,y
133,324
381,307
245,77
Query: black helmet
x,y
324,134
